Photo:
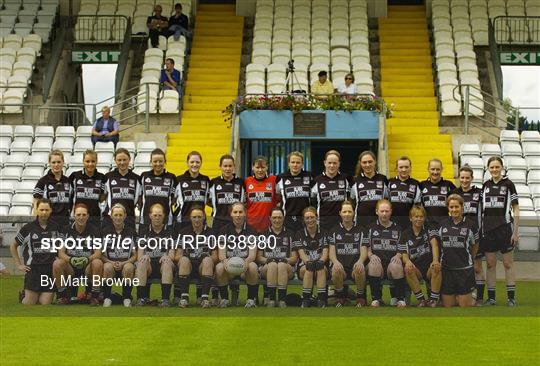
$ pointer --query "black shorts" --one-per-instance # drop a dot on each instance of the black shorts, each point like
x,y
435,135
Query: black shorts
x,y
195,264
458,281
423,265
32,278
497,240
348,271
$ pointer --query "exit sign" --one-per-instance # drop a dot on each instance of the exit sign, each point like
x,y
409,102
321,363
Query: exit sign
x,y
95,57
520,58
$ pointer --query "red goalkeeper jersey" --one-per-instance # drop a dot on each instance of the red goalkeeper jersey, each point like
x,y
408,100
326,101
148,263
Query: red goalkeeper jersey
x,y
261,198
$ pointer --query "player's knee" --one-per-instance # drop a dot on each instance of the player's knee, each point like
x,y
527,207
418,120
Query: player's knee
x,y
282,267
337,274
58,265
220,269
252,268
375,269
272,266
508,264
108,269
128,270
97,265
395,270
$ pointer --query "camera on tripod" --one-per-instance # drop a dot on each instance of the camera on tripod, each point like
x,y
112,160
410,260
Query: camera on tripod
x,y
290,66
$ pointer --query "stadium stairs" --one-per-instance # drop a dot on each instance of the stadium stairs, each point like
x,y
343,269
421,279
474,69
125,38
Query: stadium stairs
x,y
212,83
407,82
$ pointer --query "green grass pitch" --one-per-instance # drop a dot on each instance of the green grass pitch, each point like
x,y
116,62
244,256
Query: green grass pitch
x,y
80,335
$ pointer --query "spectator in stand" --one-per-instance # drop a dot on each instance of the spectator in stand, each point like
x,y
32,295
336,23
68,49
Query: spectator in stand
x,y
106,128
179,23
323,86
170,77
157,26
349,87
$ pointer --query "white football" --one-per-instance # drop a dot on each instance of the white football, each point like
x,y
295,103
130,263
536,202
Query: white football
x,y
235,266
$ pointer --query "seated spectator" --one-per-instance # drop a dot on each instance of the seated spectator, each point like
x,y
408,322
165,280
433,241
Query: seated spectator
x,y
106,128
323,85
157,26
179,23
349,87
170,77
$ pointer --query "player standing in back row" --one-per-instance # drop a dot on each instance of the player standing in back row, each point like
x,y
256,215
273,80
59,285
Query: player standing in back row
x,y
294,190
435,190
500,228
403,192
260,195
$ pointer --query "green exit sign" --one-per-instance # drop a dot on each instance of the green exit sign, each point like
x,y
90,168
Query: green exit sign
x,y
95,57
520,58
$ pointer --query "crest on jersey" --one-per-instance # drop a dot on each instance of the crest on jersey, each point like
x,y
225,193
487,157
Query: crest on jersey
x,y
113,182
79,181
463,232
66,186
338,237
356,237
185,185
424,190
395,234
287,182
51,186
218,187
268,186
131,183
393,186
444,230
322,186
361,185
379,184
341,184
412,188
249,187
503,190
476,196
236,188
35,236
375,233
147,180
167,181
487,190
306,180
203,184
444,190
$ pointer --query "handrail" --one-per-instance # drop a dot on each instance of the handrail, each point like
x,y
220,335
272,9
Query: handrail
x,y
495,61
52,63
86,32
516,30
123,59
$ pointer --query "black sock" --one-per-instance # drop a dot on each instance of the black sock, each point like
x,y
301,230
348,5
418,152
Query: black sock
x,y
223,292
340,294
361,293
253,291
480,286
73,290
183,285
419,295
126,291
345,291
215,292
141,292
266,291
62,293
271,292
166,291
177,292
491,293
87,289
511,291
282,292
147,290
306,294
376,289
107,291
400,288
206,282
95,292
235,287
199,290
321,294
393,290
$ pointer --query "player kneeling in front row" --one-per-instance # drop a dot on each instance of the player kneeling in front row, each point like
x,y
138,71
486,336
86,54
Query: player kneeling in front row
x,y
458,248
347,256
382,238
312,247
277,258
119,261
233,243
37,261
78,262
194,257
420,253
155,257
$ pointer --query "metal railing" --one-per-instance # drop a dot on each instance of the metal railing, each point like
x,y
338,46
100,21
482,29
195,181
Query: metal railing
x,y
102,28
52,63
516,30
123,58
495,61
476,102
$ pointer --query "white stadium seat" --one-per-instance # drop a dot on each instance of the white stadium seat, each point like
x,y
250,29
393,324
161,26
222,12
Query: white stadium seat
x,y
146,146
509,135
25,187
37,159
20,211
42,144
82,145
511,149
11,173
104,146
169,102
128,145
32,173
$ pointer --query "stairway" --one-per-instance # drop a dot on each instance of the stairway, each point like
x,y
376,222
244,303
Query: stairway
x,y
211,84
407,82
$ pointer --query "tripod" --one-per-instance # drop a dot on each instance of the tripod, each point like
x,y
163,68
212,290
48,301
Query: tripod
x,y
292,80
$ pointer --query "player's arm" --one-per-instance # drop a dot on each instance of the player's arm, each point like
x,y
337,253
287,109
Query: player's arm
x,y
172,254
15,254
303,255
293,258
515,228
252,256
95,255
214,256
222,254
324,256
261,259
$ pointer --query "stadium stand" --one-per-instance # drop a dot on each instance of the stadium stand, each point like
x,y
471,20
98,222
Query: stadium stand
x,y
317,35
213,83
28,17
407,82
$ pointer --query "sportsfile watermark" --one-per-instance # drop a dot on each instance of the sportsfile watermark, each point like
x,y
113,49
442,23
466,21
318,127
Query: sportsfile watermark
x,y
189,242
